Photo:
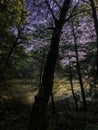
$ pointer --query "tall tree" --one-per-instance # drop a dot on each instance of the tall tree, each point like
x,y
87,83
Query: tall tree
x,y
79,70
72,86
38,116
94,15
11,30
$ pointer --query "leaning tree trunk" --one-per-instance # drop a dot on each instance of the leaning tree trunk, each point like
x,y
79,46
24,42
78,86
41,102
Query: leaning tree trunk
x,y
94,15
38,116
15,43
7,60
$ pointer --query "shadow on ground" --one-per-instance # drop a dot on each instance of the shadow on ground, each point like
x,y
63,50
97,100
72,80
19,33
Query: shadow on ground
x,y
15,109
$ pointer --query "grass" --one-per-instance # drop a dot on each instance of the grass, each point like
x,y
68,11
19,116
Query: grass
x,y
15,105
15,109
65,119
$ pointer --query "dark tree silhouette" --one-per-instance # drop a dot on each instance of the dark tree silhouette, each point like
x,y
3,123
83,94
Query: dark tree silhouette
x,y
79,70
72,87
94,15
38,116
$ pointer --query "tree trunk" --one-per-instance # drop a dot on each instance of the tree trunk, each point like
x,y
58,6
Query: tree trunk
x,y
7,61
38,116
79,72
94,15
41,68
72,89
15,43
53,103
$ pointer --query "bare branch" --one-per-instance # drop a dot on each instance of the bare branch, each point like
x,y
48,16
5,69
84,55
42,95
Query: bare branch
x,y
79,13
71,15
52,13
57,4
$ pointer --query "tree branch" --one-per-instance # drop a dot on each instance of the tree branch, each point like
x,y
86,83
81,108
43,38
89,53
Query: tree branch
x,y
57,4
52,13
71,15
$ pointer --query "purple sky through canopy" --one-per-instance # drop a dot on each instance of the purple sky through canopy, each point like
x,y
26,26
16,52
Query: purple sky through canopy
x,y
41,18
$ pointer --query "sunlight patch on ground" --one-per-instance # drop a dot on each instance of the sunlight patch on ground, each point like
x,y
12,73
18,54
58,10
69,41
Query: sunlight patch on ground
x,y
29,98
25,91
20,90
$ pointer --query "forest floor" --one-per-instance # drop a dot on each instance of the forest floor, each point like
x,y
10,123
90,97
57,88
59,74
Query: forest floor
x,y
15,108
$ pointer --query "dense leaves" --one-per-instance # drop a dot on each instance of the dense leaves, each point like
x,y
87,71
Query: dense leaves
x,y
13,15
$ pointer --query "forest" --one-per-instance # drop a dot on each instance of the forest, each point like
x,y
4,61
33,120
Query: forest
x,y
48,64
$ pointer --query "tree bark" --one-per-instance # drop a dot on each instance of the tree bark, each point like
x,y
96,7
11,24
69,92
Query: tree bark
x,y
38,116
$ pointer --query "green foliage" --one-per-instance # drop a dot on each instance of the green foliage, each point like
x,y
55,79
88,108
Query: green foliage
x,y
13,15
11,12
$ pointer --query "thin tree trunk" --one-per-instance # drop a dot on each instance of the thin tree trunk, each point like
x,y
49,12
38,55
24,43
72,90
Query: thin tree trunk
x,y
67,104
15,43
72,89
53,103
7,61
94,15
41,68
8,57
79,72
38,116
